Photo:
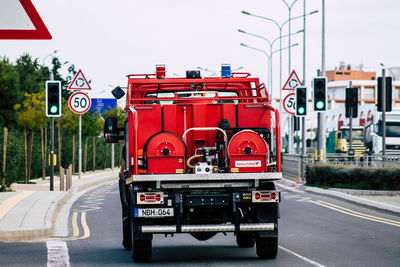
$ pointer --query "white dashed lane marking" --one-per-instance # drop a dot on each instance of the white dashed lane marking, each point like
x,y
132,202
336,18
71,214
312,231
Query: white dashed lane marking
x,y
57,254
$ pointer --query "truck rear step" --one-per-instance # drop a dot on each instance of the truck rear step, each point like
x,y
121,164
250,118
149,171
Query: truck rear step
x,y
207,228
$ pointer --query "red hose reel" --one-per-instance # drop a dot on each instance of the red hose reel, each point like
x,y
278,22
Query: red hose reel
x,y
166,153
248,152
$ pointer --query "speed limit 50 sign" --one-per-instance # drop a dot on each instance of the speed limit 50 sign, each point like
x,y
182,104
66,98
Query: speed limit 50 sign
x,y
289,103
79,102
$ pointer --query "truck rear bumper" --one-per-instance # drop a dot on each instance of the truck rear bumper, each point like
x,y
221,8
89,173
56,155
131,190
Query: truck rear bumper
x,y
161,179
252,227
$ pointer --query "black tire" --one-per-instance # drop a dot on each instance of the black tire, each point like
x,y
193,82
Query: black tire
x,y
245,240
126,233
267,247
141,251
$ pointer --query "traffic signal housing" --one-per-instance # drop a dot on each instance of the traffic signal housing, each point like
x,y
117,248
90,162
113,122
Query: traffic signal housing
x,y
351,102
320,98
388,101
53,98
301,101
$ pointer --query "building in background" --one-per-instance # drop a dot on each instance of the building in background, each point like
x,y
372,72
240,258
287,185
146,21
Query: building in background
x,y
340,79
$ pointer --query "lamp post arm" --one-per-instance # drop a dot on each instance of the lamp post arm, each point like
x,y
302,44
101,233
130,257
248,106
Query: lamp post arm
x,y
261,17
300,16
258,36
276,51
254,48
286,35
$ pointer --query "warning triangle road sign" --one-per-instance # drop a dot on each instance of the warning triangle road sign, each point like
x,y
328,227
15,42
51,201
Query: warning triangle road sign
x,y
292,82
10,31
79,82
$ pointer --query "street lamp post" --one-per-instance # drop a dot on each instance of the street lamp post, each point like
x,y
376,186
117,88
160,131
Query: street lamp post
x,y
289,19
280,27
270,51
320,117
269,56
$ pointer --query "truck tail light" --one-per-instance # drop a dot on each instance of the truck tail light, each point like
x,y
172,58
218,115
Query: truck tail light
x,y
150,198
266,196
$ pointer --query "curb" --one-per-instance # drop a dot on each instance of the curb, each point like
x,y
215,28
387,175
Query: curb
x,y
52,213
342,196
353,199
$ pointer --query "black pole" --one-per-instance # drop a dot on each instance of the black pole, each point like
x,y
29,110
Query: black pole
x,y
52,154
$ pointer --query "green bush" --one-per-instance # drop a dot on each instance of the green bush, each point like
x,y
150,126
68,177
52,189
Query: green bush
x,y
342,176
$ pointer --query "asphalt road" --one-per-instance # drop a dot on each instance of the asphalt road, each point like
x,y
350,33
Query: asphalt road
x,y
314,231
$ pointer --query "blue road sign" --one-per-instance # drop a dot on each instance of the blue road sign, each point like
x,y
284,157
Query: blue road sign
x,y
102,104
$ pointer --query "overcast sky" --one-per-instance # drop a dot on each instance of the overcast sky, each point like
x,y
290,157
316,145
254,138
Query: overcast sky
x,y
110,39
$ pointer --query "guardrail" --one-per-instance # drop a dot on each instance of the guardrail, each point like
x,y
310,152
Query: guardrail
x,y
291,163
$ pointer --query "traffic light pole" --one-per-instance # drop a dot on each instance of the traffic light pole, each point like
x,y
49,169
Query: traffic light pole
x,y
383,117
51,145
51,153
351,123
303,145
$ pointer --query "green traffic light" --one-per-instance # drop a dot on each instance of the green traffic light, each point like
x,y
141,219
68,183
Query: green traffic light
x,y
53,109
301,110
320,105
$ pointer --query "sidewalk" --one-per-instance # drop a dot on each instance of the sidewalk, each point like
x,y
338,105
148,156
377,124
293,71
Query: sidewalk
x,y
388,201
29,213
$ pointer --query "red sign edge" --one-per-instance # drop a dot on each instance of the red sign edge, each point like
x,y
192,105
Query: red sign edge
x,y
76,76
69,103
295,74
40,33
283,103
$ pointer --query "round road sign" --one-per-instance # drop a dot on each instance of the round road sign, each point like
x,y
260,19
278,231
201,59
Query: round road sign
x,y
79,102
289,103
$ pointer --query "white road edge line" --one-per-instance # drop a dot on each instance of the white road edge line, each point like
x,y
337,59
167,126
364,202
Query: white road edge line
x,y
57,254
301,257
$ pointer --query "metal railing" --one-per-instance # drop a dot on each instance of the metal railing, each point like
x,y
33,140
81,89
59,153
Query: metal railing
x,y
291,163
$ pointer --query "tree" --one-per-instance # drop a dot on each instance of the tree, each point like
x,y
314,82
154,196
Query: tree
x,y
10,93
92,125
32,75
32,117
118,113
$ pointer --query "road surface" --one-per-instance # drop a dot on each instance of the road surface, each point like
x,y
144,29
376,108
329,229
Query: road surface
x,y
313,231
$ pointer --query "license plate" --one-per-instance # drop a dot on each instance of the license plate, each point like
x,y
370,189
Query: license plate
x,y
158,212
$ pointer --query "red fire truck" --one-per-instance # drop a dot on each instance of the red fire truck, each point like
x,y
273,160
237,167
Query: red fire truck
x,y
201,156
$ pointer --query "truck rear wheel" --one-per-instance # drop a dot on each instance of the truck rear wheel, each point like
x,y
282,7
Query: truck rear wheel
x,y
141,250
267,247
126,230
245,240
